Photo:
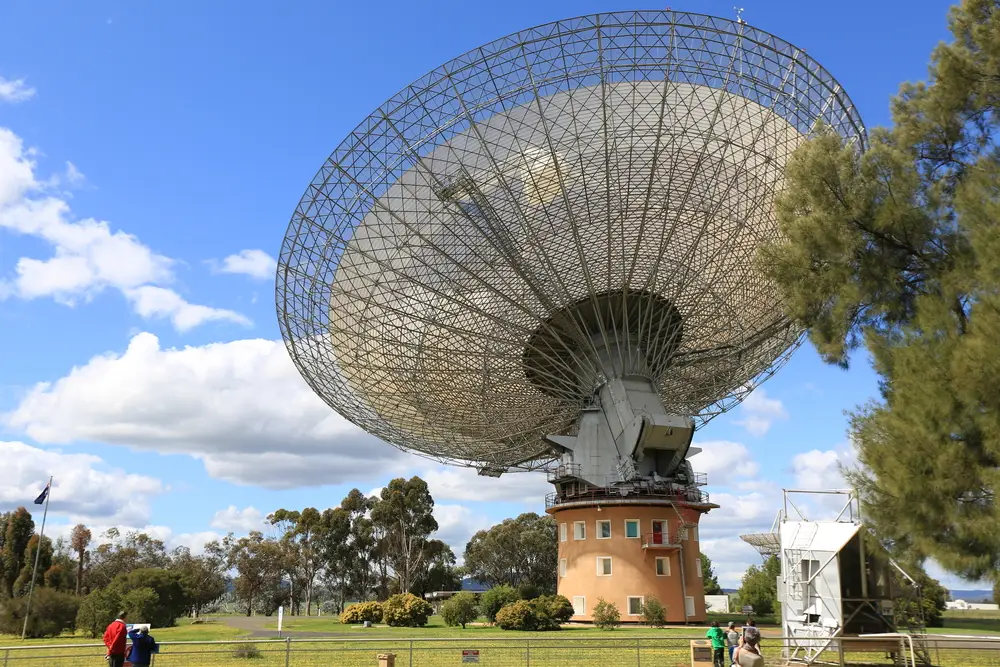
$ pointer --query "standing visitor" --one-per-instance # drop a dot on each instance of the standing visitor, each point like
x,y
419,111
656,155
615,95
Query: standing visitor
x,y
718,644
748,652
732,640
115,636
143,647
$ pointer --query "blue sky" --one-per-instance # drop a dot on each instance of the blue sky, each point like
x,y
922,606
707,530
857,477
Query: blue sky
x,y
151,155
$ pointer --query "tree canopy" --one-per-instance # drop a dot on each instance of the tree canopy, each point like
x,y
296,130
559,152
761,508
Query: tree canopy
x,y
709,579
896,249
516,552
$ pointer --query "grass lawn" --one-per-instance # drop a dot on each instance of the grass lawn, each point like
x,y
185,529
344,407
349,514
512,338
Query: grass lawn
x,y
972,621
358,647
436,629
209,629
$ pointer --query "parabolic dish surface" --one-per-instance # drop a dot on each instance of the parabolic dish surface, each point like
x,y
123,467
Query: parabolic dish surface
x,y
452,276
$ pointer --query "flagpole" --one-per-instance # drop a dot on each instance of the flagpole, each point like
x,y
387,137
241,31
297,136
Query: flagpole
x,y
38,552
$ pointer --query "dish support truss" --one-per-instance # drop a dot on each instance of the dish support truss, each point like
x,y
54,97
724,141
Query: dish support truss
x,y
835,585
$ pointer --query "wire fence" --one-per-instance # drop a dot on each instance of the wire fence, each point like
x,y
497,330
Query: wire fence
x,y
520,652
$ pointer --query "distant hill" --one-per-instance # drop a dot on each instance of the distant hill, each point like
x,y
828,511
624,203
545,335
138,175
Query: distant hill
x,y
972,595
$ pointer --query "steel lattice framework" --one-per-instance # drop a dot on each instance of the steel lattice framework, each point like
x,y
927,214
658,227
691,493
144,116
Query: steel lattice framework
x,y
452,277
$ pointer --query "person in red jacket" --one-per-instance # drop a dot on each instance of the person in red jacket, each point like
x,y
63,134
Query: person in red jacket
x,y
114,638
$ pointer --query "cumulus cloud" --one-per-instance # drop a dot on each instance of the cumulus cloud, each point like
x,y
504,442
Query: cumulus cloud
x,y
449,483
725,462
153,302
87,257
457,524
15,90
240,407
253,263
759,412
85,489
233,519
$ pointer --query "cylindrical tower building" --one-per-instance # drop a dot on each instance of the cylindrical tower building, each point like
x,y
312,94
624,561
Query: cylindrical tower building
x,y
627,548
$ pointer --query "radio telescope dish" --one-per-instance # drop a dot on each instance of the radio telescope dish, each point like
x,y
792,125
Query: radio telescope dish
x,y
544,249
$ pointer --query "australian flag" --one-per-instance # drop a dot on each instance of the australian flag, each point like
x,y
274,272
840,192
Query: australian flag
x,y
43,495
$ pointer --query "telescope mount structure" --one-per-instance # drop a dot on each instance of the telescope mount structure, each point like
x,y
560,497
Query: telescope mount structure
x,y
541,256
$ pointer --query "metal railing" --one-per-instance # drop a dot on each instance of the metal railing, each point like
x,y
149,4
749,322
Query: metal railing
x,y
659,540
689,494
619,648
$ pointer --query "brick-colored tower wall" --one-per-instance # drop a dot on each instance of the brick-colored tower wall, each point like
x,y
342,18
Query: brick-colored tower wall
x,y
633,568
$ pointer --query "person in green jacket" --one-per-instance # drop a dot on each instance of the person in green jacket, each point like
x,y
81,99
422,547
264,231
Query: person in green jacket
x,y
718,638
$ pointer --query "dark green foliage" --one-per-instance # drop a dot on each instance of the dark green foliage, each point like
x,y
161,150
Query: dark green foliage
x,y
493,600
406,610
361,612
517,615
654,613
405,514
439,573
516,552
96,611
544,613
52,613
528,591
708,577
23,582
18,531
606,615
142,605
171,599
759,587
202,576
924,604
898,250
558,607
460,609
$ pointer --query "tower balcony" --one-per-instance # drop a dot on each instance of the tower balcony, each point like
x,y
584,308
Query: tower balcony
x,y
686,495
659,541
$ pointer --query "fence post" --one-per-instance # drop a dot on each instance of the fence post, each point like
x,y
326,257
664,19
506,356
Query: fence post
x,y
288,650
638,652
6,657
527,652
411,653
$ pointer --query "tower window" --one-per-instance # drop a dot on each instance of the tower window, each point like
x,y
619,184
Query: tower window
x,y
631,528
663,566
562,532
562,567
604,529
634,606
579,605
604,566
579,530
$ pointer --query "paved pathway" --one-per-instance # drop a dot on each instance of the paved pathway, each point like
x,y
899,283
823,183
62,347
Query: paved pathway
x,y
255,627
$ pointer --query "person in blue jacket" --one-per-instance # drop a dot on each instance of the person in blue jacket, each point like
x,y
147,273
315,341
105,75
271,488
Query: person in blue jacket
x,y
143,646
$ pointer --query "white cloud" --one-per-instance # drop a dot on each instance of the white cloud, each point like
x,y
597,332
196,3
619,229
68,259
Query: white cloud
x,y
817,470
759,412
240,407
88,257
15,90
171,540
724,462
253,263
233,519
152,302
74,176
457,524
452,483
84,488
